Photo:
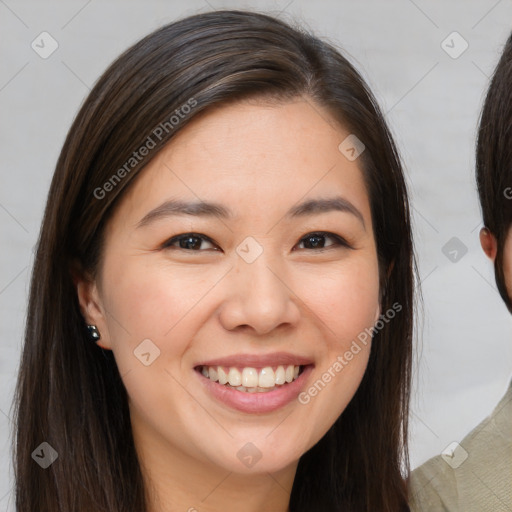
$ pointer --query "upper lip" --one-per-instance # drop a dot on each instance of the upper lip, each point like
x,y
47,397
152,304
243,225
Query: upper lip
x,y
258,361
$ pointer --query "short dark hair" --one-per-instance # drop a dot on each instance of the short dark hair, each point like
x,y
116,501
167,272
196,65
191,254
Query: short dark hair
x,y
494,161
69,391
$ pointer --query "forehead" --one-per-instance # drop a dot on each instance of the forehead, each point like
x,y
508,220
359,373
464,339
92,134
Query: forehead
x,y
251,155
261,132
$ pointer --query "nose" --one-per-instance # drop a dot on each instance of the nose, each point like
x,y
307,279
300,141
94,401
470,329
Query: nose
x,y
258,298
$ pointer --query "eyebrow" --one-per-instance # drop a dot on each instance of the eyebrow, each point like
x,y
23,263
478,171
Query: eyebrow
x,y
175,207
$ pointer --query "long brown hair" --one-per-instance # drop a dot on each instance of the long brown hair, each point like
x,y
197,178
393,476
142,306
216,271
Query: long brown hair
x,y
69,392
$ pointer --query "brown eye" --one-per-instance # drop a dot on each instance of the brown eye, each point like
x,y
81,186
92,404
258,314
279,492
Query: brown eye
x,y
317,241
187,241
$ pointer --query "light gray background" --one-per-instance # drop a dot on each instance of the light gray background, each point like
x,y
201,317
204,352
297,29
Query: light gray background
x,y
432,103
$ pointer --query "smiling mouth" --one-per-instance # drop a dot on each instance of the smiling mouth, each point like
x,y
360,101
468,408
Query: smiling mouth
x,y
252,380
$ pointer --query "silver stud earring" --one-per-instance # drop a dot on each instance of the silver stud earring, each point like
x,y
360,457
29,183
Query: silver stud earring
x,y
93,332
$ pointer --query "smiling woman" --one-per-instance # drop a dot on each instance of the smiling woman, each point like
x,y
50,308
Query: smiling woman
x,y
257,252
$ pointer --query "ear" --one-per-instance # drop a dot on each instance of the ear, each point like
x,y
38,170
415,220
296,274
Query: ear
x,y
91,304
489,243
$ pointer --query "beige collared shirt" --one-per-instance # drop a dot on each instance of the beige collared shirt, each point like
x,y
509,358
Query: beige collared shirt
x,y
480,481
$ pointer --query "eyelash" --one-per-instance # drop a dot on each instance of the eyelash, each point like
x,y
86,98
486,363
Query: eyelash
x,y
339,241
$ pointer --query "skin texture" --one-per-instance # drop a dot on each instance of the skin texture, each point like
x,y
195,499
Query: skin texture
x,y
258,159
489,245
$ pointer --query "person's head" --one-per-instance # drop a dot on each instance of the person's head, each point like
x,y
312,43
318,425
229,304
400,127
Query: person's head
x,y
281,148
494,173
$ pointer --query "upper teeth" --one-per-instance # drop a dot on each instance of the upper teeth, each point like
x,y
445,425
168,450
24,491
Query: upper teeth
x,y
250,377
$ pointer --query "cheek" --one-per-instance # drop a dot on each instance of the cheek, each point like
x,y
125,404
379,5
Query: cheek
x,y
347,301
150,303
151,322
151,300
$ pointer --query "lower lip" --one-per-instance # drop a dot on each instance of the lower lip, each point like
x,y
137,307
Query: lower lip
x,y
266,401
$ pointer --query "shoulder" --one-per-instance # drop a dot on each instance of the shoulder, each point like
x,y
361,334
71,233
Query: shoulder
x,y
475,474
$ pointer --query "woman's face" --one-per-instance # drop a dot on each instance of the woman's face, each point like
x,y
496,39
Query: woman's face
x,y
265,284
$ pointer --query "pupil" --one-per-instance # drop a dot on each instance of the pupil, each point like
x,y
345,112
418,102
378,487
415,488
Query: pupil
x,y
188,243
318,239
